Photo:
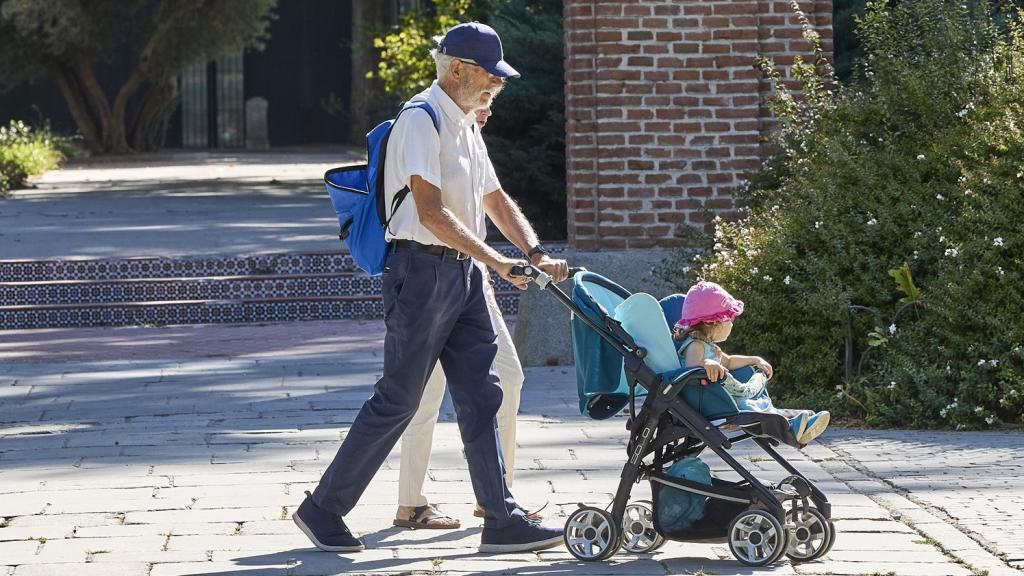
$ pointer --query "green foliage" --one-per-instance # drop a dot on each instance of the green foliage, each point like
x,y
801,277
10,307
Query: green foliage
x,y
167,34
404,66
27,152
915,169
526,134
846,47
68,38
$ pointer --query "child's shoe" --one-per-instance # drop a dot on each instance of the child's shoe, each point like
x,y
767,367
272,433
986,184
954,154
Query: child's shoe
x,y
816,424
798,424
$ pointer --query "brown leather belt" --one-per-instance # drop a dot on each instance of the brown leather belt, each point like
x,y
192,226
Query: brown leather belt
x,y
442,252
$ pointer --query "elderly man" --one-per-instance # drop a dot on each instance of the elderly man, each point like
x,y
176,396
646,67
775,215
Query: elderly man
x,y
414,510
434,301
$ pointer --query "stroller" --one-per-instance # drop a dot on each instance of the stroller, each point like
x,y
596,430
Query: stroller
x,y
624,353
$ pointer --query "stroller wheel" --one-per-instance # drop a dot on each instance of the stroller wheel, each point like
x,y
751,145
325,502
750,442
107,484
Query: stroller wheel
x,y
831,537
638,533
590,534
810,536
756,538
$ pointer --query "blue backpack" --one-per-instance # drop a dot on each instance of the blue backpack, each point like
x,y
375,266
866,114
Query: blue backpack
x,y
357,194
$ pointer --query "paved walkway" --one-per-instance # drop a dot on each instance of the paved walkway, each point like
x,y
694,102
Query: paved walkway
x,y
172,451
175,204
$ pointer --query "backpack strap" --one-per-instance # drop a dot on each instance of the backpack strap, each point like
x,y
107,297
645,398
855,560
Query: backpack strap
x,y
400,196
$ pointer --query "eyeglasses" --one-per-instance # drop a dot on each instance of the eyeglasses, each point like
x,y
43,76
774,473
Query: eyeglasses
x,y
471,63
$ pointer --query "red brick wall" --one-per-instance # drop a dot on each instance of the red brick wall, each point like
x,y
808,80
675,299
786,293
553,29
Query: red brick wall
x,y
664,110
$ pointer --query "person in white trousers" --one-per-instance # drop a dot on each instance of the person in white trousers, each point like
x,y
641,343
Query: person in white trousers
x,y
414,510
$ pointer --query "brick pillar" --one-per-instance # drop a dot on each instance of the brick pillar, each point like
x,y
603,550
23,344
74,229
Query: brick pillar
x,y
664,110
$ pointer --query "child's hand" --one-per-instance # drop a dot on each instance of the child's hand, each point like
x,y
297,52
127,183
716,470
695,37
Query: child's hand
x,y
714,369
762,365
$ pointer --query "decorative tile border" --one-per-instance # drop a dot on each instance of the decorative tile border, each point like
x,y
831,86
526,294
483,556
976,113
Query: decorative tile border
x,y
160,314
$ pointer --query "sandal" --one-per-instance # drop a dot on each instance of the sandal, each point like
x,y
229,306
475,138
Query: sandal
x,y
428,517
533,516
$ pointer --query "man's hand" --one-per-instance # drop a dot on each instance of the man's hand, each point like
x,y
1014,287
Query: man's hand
x,y
503,266
557,269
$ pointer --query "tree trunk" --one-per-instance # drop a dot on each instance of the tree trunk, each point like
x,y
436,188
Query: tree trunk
x,y
98,102
78,106
150,124
368,17
117,137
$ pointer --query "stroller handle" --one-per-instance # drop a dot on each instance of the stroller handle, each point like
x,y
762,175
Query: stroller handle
x,y
534,273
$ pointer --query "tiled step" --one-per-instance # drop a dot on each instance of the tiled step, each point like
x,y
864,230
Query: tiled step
x,y
206,311
194,290
184,267
179,289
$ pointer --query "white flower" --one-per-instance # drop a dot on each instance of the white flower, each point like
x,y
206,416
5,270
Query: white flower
x,y
998,241
920,156
718,246
999,269
981,362
939,197
686,269
942,412
817,225
978,409
786,280
892,328
968,192
993,362
917,234
990,420
872,222
952,252
892,385
753,271
767,278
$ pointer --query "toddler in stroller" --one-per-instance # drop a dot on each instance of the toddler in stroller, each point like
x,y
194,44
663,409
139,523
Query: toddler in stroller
x,y
707,316
624,352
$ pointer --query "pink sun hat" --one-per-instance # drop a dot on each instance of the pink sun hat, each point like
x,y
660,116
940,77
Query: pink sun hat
x,y
708,302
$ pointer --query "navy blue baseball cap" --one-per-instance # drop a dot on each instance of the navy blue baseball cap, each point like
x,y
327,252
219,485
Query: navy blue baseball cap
x,y
479,43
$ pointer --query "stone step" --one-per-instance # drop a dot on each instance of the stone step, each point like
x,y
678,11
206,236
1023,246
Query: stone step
x,y
239,311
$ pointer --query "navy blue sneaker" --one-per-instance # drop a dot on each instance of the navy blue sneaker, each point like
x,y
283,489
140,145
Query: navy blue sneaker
x,y
326,529
523,536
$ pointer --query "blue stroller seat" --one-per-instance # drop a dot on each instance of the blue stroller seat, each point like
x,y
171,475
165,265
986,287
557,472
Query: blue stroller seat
x,y
601,378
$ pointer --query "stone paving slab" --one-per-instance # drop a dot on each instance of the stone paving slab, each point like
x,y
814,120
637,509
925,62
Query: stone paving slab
x,y
192,464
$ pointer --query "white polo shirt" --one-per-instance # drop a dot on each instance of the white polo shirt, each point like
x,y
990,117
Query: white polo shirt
x,y
455,161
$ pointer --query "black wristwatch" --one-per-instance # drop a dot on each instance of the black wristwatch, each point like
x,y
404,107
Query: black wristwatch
x,y
538,249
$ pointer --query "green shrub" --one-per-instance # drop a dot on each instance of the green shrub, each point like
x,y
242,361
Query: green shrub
x,y
526,134
920,162
27,152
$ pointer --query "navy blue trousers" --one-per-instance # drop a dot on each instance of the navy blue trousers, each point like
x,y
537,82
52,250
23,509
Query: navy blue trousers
x,y
433,309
